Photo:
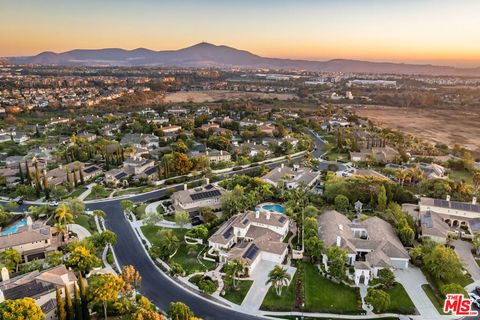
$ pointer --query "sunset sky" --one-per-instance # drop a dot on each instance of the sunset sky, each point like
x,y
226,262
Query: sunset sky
x,y
433,31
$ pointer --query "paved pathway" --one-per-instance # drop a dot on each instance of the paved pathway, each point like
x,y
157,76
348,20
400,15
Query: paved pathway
x,y
85,193
412,280
463,249
81,232
254,298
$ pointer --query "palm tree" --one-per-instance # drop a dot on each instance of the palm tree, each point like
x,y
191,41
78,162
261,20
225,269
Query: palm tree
x,y
279,278
63,217
235,268
11,259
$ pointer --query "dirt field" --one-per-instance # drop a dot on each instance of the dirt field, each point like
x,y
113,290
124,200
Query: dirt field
x,y
215,95
443,126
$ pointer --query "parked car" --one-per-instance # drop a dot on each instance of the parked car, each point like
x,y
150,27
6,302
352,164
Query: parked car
x,y
196,221
475,299
477,290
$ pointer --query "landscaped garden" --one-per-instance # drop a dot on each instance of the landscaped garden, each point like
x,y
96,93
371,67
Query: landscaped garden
x,y
320,295
185,255
87,221
236,295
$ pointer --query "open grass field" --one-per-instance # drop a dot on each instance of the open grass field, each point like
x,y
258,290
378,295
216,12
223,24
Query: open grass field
x,y
436,125
217,95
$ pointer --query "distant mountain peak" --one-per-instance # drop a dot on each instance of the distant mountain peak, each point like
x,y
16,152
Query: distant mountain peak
x,y
205,54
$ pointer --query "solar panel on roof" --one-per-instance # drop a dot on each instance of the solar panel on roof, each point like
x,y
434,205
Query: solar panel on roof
x,y
228,233
151,170
120,175
205,195
90,169
282,219
29,289
245,221
251,252
208,187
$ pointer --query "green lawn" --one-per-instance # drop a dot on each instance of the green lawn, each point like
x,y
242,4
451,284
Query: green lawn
x,y
436,301
86,221
75,193
459,175
321,295
189,262
133,190
236,295
100,195
139,211
400,302
285,302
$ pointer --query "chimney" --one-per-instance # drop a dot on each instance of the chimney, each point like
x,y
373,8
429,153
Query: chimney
x,y
29,221
282,165
206,152
207,180
221,152
5,274
268,215
339,241
257,214
474,200
448,197
185,187
254,143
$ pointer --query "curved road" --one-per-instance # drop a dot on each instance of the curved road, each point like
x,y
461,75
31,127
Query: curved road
x,y
156,285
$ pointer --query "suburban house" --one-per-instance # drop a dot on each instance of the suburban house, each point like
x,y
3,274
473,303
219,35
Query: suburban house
x,y
87,136
137,165
292,177
71,171
115,175
40,286
170,129
191,200
31,240
252,149
380,154
213,156
372,244
430,170
252,236
439,217
139,140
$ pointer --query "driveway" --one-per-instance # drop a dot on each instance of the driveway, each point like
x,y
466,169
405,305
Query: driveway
x,y
463,249
81,232
412,280
254,298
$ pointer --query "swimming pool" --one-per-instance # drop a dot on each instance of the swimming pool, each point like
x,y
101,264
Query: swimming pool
x,y
275,207
14,229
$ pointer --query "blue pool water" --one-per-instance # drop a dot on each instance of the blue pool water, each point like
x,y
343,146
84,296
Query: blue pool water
x,y
14,229
278,208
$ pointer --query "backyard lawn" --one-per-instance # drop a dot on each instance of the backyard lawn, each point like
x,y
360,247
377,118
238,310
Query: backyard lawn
x,y
459,175
321,295
189,262
236,295
400,302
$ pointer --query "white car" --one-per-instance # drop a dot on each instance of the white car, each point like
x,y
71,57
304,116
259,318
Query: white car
x,y
475,299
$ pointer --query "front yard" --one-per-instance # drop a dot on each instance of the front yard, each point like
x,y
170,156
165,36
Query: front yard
x,y
321,295
87,221
400,302
186,255
236,295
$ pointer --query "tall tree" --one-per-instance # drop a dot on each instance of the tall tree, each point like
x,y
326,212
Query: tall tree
x,y
106,289
77,304
69,305
60,306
